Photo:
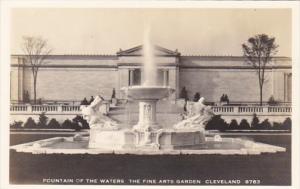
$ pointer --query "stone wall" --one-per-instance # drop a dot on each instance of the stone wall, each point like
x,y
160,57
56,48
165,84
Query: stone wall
x,y
72,84
73,77
239,84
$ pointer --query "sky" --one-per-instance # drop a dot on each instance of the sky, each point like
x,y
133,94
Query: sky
x,y
192,31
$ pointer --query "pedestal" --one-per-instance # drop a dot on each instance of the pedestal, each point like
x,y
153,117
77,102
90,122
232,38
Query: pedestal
x,y
147,116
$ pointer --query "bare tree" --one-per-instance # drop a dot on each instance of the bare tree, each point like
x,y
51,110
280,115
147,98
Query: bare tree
x,y
36,51
258,52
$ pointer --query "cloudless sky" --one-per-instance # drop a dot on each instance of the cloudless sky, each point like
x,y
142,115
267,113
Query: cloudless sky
x,y
191,31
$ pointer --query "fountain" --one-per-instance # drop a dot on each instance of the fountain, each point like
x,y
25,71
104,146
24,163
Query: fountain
x,y
147,136
147,133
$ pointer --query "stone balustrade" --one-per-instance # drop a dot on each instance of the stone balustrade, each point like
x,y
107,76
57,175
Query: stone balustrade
x,y
21,112
246,110
51,109
224,110
252,109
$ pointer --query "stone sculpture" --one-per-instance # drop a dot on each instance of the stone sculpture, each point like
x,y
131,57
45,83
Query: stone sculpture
x,y
97,119
198,118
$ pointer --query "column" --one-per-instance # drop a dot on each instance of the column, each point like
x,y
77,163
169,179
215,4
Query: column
x,y
130,77
142,76
165,77
173,81
289,87
273,83
285,87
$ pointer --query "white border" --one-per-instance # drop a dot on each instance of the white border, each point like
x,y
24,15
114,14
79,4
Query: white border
x,y
6,5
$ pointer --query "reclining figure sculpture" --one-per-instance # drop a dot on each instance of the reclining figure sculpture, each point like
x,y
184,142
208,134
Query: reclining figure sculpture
x,y
198,118
96,118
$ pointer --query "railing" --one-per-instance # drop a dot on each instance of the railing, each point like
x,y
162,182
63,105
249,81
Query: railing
x,y
252,109
66,108
18,108
105,108
223,109
279,109
14,108
43,108
247,109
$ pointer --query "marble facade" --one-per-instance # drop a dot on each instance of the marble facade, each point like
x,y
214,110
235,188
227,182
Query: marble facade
x,y
66,77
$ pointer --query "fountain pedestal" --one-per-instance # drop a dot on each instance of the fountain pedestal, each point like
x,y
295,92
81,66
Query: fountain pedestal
x,y
147,116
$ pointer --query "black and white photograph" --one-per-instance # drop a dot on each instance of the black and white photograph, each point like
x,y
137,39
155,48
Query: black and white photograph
x,y
150,95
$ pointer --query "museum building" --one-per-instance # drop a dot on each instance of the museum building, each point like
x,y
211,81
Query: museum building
x,y
71,77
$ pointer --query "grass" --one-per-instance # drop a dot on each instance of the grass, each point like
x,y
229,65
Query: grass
x,y
270,169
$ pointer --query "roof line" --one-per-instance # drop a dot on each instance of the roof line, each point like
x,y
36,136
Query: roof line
x,y
183,56
71,54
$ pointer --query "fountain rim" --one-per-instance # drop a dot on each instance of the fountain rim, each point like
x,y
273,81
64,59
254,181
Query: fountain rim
x,y
133,92
147,87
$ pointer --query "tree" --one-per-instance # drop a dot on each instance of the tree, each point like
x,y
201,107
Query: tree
x,y
36,51
258,52
43,119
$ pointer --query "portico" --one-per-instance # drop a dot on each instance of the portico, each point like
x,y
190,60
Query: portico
x,y
130,61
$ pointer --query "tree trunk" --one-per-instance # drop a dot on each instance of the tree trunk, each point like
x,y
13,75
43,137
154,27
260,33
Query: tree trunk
x,y
260,94
34,88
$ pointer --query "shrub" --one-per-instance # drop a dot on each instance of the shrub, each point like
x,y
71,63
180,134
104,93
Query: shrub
x,y
76,126
244,124
255,122
184,94
26,97
216,123
43,119
67,124
287,124
30,123
53,124
272,101
277,126
265,124
113,95
84,102
196,97
82,123
233,124
16,124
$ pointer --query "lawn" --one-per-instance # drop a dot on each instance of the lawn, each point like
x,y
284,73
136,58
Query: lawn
x,y
269,169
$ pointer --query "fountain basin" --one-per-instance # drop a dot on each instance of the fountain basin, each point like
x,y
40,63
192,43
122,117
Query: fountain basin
x,y
147,92
159,139
228,146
